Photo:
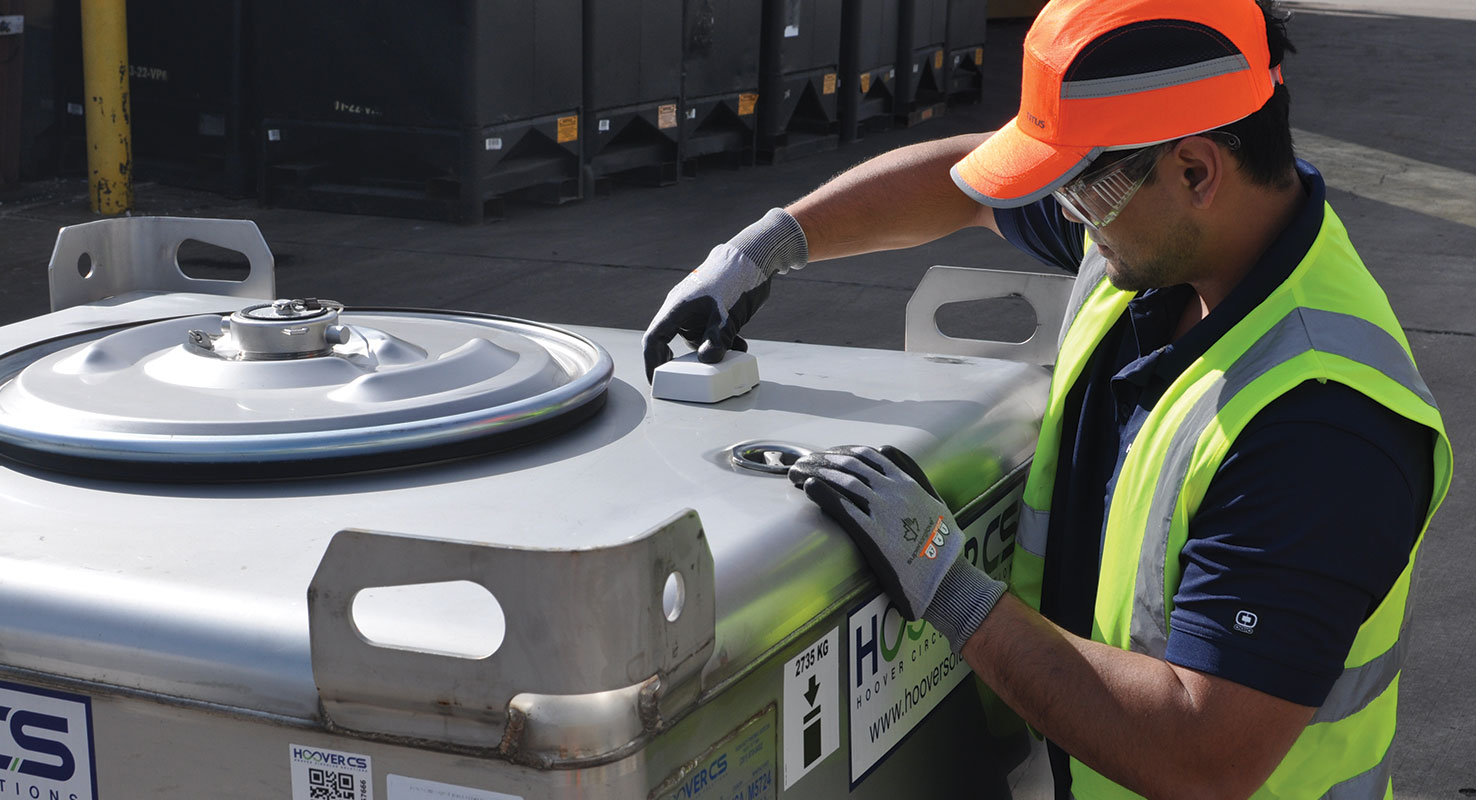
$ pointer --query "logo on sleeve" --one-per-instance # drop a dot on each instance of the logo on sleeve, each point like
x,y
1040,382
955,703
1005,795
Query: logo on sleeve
x,y
1245,622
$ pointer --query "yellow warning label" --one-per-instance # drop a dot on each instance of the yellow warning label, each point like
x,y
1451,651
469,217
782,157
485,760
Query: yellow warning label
x,y
829,86
978,56
746,102
865,82
568,128
938,60
666,116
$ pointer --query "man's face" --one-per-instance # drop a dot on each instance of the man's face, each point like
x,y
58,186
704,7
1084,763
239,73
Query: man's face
x,y
1151,243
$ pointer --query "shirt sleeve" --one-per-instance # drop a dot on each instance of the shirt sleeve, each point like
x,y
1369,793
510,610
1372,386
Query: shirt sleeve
x,y
1304,529
1040,230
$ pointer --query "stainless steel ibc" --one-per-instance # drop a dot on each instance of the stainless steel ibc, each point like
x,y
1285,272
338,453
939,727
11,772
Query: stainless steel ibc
x,y
448,555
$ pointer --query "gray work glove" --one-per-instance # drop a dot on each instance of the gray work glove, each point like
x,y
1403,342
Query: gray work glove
x,y
709,306
885,502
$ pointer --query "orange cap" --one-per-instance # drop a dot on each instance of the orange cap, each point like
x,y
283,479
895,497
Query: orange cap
x,y
1109,74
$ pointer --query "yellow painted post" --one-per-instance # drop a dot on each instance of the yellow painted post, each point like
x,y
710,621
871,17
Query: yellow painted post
x,y
105,83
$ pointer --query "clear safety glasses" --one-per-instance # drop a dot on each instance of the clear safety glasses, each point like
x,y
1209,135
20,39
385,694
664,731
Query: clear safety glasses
x,y
1097,197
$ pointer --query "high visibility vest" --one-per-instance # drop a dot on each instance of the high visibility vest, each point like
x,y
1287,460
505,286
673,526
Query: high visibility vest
x,y
1329,320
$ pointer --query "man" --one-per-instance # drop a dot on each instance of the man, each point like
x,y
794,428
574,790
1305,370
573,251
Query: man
x,y
1238,458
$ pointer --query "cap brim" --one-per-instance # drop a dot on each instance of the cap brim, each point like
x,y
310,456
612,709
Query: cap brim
x,y
1012,168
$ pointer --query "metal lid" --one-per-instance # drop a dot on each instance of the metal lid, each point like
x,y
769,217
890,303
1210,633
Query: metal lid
x,y
296,387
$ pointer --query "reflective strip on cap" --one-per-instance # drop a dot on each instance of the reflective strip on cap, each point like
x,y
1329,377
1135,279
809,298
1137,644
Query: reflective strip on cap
x,y
1158,79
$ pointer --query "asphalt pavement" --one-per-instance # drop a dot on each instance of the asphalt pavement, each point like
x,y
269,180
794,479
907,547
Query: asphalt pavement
x,y
1382,101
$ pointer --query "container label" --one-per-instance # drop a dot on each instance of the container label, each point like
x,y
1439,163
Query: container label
x,y
666,116
811,706
900,671
828,87
865,82
739,766
604,126
568,128
746,103
45,743
322,774
938,60
493,143
399,787
791,31
978,56
11,25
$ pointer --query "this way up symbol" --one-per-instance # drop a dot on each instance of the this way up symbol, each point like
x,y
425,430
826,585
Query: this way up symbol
x,y
812,728
812,692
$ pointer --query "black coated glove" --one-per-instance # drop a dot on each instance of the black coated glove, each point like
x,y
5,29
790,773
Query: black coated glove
x,y
909,537
709,306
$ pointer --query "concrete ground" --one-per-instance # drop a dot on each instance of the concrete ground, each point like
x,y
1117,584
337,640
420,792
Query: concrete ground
x,y
1382,102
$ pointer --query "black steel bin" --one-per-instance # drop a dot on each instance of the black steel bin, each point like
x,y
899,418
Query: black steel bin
x,y
921,60
633,88
720,79
191,113
869,30
800,75
968,21
434,110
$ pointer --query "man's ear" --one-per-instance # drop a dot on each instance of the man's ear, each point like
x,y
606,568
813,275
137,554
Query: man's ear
x,y
1200,166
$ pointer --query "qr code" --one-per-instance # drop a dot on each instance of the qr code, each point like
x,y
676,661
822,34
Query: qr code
x,y
325,784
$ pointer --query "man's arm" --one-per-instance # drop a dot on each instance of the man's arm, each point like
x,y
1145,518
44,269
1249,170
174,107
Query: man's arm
x,y
1157,728
902,198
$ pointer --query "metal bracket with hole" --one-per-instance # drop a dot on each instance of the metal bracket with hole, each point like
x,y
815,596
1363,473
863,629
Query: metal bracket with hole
x,y
600,635
1048,293
141,254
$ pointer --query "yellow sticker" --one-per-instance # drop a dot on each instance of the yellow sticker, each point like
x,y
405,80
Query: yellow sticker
x,y
829,86
666,116
568,128
938,60
865,82
978,56
746,102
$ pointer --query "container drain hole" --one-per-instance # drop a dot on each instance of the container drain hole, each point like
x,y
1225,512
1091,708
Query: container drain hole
x,y
451,618
202,261
84,265
674,596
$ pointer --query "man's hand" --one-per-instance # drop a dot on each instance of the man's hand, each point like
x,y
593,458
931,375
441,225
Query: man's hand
x,y
711,304
909,537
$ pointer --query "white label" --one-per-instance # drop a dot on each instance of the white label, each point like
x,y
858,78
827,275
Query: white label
x,y
399,787
10,25
899,671
494,143
791,31
604,125
320,773
691,113
46,742
274,135
811,706
75,109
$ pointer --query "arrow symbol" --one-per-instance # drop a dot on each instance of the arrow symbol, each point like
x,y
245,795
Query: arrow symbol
x,y
812,692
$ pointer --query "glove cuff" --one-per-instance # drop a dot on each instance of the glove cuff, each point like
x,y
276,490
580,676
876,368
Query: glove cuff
x,y
964,598
776,243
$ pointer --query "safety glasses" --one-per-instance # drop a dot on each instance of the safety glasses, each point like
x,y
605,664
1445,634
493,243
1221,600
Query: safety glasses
x,y
1097,197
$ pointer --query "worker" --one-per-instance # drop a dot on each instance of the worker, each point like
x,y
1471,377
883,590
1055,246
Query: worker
x,y
1238,458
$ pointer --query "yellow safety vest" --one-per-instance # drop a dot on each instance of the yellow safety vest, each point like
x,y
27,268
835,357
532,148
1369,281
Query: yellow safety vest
x,y
1328,321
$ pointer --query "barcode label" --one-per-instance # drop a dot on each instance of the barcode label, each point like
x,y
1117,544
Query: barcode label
x,y
322,774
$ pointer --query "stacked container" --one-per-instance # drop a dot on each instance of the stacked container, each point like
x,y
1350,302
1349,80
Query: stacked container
x,y
799,103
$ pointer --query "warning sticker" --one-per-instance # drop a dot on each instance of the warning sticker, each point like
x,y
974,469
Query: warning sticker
x,y
568,128
938,60
746,102
666,116
811,706
399,787
318,773
739,766
828,87
978,56
865,82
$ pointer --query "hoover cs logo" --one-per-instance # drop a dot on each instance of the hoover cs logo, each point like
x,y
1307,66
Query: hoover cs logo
x,y
45,744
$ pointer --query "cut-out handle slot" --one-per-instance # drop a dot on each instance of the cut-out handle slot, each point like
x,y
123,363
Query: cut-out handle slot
x,y
450,618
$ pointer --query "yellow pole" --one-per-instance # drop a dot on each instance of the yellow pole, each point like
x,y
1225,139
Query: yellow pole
x,y
105,81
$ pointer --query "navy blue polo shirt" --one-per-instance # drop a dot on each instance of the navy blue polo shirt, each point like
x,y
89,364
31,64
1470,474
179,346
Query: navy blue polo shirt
x,y
1307,523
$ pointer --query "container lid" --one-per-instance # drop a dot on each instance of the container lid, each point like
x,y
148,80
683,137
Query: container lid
x,y
293,388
